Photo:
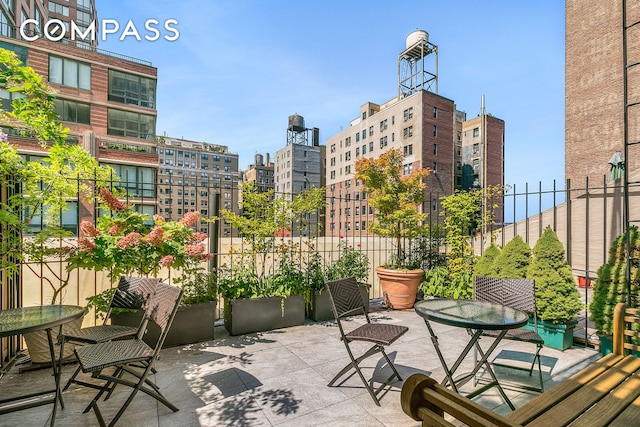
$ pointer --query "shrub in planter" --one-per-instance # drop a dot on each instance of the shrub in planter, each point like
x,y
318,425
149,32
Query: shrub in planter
x,y
610,286
514,259
485,266
557,298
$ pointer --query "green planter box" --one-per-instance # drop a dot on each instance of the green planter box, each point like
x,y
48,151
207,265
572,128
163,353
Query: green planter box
x,y
320,309
606,344
193,323
558,336
248,315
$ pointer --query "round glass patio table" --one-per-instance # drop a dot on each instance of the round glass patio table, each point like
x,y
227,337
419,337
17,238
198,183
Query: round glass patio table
x,y
17,321
476,317
471,314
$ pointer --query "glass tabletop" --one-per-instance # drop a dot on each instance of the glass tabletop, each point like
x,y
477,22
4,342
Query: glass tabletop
x,y
16,321
471,314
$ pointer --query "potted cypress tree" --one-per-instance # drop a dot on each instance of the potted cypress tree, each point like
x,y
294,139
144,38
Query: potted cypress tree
x,y
397,199
485,266
514,259
610,287
557,299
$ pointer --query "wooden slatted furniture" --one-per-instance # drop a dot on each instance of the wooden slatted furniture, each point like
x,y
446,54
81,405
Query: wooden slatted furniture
x,y
606,393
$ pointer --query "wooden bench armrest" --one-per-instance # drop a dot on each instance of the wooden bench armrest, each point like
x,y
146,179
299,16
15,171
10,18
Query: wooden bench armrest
x,y
424,399
623,316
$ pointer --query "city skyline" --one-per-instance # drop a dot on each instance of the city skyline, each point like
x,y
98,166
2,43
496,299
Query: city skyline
x,y
238,70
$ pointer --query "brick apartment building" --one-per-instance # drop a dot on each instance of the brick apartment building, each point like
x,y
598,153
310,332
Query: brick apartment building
x,y
108,101
192,175
594,101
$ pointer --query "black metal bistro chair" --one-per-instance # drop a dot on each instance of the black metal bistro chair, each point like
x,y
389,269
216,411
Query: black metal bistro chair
x,y
132,293
346,300
519,294
126,355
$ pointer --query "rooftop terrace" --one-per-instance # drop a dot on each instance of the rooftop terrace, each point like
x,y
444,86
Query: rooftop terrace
x,y
279,378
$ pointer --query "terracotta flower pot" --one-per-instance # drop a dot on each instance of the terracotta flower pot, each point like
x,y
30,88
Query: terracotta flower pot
x,y
399,287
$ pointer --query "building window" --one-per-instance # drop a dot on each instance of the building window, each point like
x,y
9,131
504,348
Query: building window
x,y
358,137
476,148
435,112
364,149
407,169
136,181
435,149
408,114
383,125
357,151
370,130
131,89
364,115
58,8
364,133
347,169
408,150
134,125
383,142
68,72
71,111
434,167
435,130
476,132
407,132
347,155
371,146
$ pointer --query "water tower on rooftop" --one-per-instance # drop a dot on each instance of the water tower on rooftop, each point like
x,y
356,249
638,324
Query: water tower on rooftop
x,y
418,65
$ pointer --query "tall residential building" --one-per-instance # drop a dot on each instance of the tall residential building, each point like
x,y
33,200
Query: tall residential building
x,y
427,128
193,175
594,89
299,166
108,101
261,173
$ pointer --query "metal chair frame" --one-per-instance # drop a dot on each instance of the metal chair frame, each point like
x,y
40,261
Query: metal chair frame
x,y
519,294
132,293
346,300
126,355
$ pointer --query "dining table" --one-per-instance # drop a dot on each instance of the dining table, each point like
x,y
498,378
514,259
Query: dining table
x,y
19,321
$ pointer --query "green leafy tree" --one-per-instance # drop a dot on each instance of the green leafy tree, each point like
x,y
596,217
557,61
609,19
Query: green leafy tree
x,y
514,259
486,263
267,264
557,299
396,199
39,188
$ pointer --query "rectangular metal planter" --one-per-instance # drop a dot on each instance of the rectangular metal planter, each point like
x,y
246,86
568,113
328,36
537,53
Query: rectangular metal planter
x,y
320,309
248,315
193,323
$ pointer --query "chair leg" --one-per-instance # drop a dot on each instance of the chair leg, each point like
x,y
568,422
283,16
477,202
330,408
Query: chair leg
x,y
391,365
72,379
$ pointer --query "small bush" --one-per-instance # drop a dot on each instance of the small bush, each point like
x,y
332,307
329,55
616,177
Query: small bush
x,y
514,259
486,263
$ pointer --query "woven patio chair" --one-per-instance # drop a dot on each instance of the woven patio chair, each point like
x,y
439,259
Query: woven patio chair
x,y
132,293
346,300
126,355
519,294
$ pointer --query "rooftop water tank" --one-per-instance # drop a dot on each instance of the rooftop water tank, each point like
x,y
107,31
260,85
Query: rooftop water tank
x,y
296,123
258,160
417,36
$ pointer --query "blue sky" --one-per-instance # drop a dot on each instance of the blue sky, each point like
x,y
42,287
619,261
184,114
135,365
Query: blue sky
x,y
240,68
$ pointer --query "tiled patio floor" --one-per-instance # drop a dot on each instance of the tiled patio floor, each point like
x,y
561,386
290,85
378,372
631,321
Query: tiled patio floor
x,y
279,378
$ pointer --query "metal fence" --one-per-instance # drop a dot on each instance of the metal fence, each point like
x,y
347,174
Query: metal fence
x,y
586,218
